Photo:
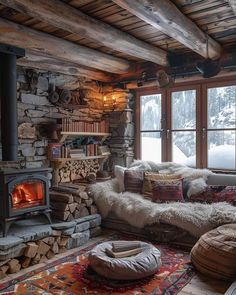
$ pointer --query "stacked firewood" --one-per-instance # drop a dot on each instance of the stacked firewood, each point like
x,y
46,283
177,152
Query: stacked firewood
x,y
74,170
35,252
71,201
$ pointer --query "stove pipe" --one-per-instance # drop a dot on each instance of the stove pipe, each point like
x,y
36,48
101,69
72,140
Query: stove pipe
x,y
9,131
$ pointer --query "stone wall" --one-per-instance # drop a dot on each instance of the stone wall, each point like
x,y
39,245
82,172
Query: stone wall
x,y
36,113
121,122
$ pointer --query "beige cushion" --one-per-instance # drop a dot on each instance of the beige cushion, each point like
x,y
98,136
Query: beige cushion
x,y
135,267
147,186
215,253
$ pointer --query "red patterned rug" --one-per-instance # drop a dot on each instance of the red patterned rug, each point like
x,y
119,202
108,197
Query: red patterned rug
x,y
74,277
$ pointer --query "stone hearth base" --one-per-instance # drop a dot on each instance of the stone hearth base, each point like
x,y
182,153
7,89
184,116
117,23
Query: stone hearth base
x,y
33,241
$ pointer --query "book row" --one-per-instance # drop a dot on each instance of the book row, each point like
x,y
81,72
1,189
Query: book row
x,y
57,151
69,125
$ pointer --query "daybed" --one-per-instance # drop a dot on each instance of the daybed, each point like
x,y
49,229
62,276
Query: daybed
x,y
176,222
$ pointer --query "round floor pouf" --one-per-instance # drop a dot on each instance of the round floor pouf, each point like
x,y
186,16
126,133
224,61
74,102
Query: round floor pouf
x,y
134,267
215,253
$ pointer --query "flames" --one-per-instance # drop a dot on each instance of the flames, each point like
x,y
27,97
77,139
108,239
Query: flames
x,y
28,194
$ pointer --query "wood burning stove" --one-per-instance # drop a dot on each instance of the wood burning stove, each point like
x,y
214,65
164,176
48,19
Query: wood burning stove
x,y
23,192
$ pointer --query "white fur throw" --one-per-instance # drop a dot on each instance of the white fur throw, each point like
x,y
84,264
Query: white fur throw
x,y
195,218
196,178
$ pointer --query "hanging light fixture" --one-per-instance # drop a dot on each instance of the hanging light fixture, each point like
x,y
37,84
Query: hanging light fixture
x,y
208,68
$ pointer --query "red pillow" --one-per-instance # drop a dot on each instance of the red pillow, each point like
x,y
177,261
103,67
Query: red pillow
x,y
216,193
133,181
228,194
169,190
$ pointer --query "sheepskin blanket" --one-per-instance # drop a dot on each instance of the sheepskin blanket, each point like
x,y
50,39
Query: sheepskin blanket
x,y
195,179
195,218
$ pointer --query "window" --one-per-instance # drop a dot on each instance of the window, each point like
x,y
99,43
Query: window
x,y
183,127
221,127
151,113
193,125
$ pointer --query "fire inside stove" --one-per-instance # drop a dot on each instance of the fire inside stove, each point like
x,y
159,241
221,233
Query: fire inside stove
x,y
28,194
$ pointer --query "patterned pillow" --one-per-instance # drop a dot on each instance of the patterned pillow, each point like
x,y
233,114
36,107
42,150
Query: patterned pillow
x,y
152,176
133,181
169,190
216,193
228,195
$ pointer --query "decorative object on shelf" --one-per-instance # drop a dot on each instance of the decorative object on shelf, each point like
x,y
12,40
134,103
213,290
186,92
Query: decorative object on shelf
x,y
104,150
54,150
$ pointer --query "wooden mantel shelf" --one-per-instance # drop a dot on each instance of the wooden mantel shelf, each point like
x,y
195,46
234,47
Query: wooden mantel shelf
x,y
79,158
66,134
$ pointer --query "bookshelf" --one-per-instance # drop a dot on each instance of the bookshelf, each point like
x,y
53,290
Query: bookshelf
x,y
79,150
70,134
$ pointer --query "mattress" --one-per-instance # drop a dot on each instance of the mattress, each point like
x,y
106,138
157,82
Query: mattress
x,y
159,232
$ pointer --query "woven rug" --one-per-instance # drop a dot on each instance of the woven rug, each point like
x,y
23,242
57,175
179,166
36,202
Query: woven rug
x,y
74,277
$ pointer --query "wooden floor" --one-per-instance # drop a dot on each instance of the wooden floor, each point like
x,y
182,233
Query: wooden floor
x,y
199,285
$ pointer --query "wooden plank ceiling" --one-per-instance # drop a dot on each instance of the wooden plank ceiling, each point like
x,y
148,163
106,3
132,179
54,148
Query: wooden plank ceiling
x,y
214,17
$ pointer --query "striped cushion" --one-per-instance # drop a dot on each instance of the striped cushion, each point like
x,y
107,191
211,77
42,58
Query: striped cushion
x,y
215,253
147,186
133,181
167,190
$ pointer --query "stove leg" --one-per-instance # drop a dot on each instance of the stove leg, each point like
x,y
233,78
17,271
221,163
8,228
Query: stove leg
x,y
5,227
47,215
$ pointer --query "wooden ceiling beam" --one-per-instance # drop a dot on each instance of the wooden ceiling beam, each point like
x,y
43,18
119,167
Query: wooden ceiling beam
x,y
46,63
197,78
166,17
232,3
22,36
63,16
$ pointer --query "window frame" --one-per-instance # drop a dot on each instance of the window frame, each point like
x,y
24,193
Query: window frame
x,y
201,86
198,115
205,87
138,130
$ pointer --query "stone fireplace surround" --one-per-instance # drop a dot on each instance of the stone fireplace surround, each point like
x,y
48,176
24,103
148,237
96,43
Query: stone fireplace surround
x,y
34,112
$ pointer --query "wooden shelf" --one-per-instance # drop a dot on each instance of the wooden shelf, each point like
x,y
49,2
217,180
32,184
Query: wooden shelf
x,y
78,158
66,134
